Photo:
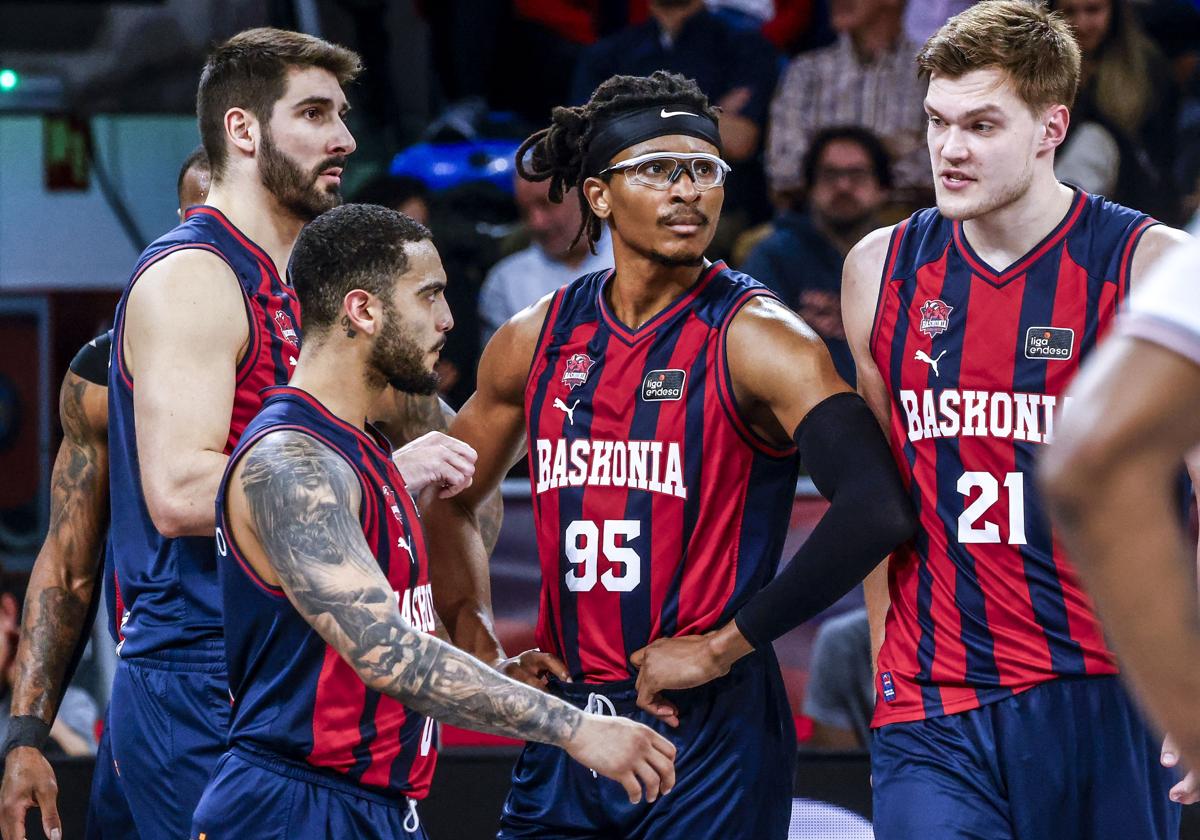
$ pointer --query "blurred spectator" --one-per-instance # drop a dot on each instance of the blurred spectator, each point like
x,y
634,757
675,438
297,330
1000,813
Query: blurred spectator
x,y
1127,90
549,262
866,78
74,729
403,193
923,18
840,696
734,67
848,179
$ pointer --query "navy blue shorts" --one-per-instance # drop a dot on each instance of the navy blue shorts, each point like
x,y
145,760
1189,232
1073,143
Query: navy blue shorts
x,y
1069,759
259,797
734,767
108,814
168,723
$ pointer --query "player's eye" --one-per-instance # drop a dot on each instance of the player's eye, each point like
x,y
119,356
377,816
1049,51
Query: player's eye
x,y
703,168
984,126
312,113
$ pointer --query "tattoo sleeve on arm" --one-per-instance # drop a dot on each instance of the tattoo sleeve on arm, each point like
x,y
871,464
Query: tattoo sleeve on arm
x,y
64,574
303,501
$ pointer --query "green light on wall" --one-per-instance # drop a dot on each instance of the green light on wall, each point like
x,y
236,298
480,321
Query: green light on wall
x,y
9,79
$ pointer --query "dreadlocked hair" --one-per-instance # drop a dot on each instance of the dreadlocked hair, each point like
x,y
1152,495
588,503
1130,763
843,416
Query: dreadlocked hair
x,y
558,154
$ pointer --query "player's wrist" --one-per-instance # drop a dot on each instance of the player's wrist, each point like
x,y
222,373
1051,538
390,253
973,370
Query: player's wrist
x,y
26,731
726,646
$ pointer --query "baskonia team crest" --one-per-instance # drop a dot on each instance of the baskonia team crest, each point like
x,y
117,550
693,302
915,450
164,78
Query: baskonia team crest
x,y
389,496
576,371
935,317
286,327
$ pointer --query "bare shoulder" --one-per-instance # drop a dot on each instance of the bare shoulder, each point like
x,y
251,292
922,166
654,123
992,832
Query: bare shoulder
x,y
1154,244
506,359
863,269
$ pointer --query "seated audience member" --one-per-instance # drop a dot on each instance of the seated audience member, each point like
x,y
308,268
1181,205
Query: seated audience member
x,y
74,729
556,256
403,193
840,696
1126,88
865,78
922,19
848,178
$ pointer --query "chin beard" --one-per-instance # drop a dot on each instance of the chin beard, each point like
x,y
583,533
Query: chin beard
x,y
294,189
677,261
399,361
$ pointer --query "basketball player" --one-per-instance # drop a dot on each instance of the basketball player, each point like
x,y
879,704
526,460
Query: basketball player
x,y
999,712
664,407
1111,479
63,592
206,322
334,669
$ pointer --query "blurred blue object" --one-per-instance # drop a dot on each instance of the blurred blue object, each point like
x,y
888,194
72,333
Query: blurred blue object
x,y
446,165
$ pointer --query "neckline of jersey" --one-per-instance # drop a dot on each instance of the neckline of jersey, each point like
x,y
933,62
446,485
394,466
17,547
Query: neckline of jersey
x,y
1021,264
249,244
292,390
631,336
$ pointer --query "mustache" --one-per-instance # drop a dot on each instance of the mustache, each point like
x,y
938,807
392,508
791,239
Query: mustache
x,y
684,216
338,161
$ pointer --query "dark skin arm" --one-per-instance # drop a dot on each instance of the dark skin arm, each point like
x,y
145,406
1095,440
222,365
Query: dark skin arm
x,y
293,506
404,417
493,423
60,589
775,391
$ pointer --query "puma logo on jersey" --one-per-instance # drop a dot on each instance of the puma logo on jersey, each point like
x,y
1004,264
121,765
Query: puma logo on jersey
x,y
922,356
637,464
570,412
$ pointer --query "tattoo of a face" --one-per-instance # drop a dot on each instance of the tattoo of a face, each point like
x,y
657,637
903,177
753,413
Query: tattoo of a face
x,y
303,501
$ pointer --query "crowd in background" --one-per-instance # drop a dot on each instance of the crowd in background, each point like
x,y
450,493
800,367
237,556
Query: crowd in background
x,y
821,121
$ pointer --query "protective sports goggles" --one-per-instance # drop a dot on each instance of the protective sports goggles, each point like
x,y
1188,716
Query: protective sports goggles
x,y
659,171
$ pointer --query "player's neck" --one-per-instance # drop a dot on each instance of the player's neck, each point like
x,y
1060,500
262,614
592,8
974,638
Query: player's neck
x,y
257,214
322,372
1004,236
641,287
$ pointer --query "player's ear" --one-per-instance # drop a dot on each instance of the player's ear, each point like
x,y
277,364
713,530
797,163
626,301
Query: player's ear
x,y
362,312
1055,122
598,197
242,129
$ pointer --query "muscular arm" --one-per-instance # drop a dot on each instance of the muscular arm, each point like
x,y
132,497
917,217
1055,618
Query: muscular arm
x,y
493,422
185,328
861,275
404,417
65,572
301,502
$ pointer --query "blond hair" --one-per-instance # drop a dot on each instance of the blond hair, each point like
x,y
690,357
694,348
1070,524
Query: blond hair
x,y
1033,45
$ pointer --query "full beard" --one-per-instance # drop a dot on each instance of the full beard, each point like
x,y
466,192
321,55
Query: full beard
x,y
398,360
295,189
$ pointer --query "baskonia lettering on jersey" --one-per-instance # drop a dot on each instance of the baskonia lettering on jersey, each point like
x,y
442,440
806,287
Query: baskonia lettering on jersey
x,y
636,464
966,413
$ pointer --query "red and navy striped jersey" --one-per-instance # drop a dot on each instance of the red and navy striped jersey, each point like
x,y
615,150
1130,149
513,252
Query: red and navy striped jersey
x,y
166,589
984,603
659,512
294,696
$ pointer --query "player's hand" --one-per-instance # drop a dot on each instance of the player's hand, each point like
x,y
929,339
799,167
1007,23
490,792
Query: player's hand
x,y
1186,792
632,754
684,662
28,783
436,459
534,667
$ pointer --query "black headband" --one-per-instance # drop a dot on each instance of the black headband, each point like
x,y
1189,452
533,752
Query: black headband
x,y
632,127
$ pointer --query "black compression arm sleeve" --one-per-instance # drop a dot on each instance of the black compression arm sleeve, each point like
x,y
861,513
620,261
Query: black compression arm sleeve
x,y
869,514
91,362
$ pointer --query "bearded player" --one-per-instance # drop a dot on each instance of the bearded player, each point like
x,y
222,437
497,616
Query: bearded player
x,y
664,405
999,712
206,322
